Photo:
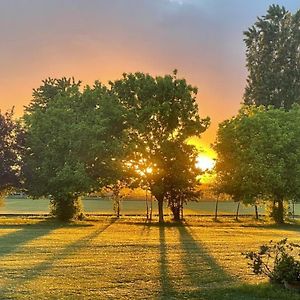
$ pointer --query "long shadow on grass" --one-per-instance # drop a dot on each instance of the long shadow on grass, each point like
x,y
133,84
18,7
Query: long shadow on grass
x,y
201,268
286,227
37,270
24,233
166,287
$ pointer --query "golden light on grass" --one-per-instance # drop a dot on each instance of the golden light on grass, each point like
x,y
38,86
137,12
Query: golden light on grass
x,y
35,258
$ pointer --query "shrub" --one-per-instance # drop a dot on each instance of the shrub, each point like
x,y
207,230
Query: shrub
x,y
67,208
275,213
278,261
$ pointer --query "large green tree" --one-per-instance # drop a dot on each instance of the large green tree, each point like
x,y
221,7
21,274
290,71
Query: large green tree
x,y
273,59
73,140
11,150
160,111
259,156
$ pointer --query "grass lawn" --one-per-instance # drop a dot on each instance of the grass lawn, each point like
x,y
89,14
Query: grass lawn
x,y
107,258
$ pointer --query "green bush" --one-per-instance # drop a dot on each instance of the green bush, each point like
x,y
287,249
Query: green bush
x,y
67,208
278,261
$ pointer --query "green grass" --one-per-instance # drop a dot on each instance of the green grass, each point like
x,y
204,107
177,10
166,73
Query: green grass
x,y
107,258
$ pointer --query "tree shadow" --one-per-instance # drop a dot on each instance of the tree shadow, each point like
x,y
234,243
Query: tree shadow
x,y
201,268
70,249
167,291
286,226
24,233
146,228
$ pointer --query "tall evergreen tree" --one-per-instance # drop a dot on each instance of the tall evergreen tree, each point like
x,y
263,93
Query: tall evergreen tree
x,y
273,59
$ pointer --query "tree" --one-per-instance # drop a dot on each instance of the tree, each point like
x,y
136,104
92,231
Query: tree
x,y
73,139
11,149
160,110
273,59
181,173
259,157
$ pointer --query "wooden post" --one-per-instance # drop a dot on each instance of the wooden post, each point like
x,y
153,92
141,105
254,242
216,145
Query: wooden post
x,y
147,206
256,212
216,209
151,201
237,211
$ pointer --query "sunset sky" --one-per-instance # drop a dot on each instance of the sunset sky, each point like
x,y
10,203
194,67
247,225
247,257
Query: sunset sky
x,y
102,39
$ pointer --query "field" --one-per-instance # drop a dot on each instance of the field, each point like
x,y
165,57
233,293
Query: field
x,y
106,258
105,206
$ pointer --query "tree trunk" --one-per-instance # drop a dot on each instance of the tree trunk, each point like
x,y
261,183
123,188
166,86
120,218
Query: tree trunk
x,y
151,208
278,210
147,206
118,208
256,212
181,210
160,203
176,212
293,209
237,211
280,219
216,209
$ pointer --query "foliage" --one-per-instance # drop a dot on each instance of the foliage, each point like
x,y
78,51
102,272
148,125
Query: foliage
x,y
67,208
11,149
273,59
279,261
118,192
259,157
160,111
180,178
73,140
275,212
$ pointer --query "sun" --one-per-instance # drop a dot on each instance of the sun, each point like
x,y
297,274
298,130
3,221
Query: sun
x,y
206,158
205,163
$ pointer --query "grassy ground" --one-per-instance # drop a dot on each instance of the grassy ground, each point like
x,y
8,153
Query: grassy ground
x,y
27,205
130,259
105,206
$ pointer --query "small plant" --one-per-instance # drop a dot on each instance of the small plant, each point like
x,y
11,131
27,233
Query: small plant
x,y
279,261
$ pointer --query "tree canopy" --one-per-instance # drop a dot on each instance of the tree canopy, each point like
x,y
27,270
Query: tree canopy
x,y
259,156
11,149
180,176
162,112
273,59
79,141
73,139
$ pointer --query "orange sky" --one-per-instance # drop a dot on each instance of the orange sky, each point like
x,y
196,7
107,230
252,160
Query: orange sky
x,y
18,92
102,39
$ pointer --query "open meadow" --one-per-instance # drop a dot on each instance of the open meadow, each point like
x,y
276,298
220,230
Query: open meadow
x,y
108,258
130,207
